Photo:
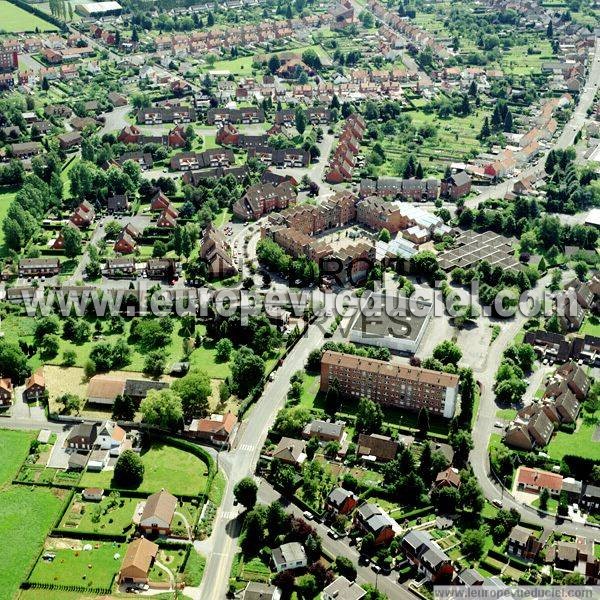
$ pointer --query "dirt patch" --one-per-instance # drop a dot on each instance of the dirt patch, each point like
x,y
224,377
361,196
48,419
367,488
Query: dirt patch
x,y
214,403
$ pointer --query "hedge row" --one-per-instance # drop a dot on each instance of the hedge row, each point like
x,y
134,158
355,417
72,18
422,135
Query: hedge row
x,y
88,535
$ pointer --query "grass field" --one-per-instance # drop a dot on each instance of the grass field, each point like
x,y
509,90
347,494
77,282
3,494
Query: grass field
x,y
5,200
591,326
579,443
166,467
89,568
506,413
456,138
14,448
26,516
15,20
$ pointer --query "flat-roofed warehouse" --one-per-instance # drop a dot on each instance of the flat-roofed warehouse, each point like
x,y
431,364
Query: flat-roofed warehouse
x,y
98,9
471,248
397,323
390,384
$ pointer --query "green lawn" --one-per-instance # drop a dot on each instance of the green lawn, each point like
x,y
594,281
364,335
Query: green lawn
x,y
5,200
591,326
172,559
223,218
96,517
237,66
14,448
255,570
26,516
204,357
16,20
217,489
167,467
506,413
93,568
552,505
579,443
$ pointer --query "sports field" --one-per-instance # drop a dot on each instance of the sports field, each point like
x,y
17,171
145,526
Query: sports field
x,y
14,20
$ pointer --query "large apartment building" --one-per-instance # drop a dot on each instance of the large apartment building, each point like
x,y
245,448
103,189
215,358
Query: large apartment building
x,y
389,384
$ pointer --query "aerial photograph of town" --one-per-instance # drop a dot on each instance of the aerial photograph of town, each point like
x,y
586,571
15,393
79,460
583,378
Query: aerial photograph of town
x,y
299,299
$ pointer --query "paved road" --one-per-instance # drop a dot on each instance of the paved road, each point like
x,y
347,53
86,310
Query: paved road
x,y
385,583
241,462
564,140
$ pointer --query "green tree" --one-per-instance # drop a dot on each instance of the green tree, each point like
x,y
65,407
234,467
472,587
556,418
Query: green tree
x,y
194,390
154,363
129,470
544,497
384,235
49,346
123,408
369,416
162,408
345,567
473,543
300,120
245,492
71,404
447,352
247,369
72,241
223,350
14,362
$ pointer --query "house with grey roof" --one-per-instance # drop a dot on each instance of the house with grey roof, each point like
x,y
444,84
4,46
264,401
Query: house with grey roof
x,y
343,589
289,556
325,431
425,553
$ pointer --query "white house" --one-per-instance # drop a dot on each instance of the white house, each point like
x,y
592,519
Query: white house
x,y
98,460
289,556
110,437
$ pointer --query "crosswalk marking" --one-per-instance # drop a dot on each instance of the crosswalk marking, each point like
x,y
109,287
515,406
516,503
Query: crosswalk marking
x,y
228,515
247,447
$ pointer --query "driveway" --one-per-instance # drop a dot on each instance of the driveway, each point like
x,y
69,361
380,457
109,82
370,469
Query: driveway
x,y
59,457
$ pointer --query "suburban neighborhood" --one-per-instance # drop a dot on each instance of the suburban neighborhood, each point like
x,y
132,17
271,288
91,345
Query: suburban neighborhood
x,y
299,300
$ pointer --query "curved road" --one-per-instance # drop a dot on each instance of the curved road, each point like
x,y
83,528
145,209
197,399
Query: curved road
x,y
484,426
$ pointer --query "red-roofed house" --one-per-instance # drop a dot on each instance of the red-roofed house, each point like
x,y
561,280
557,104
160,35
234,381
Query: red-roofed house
x,y
214,429
535,480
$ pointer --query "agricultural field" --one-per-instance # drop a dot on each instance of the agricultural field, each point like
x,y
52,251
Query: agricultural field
x,y
167,467
16,20
26,516
454,138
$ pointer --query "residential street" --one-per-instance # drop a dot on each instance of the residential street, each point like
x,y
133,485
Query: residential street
x,y
384,583
564,140
242,460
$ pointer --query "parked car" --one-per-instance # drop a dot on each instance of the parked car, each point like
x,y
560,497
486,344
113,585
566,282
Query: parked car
x,y
306,514
332,534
